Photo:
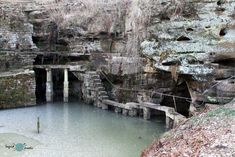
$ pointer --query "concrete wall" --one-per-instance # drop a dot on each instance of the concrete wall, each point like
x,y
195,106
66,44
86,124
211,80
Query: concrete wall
x,y
17,90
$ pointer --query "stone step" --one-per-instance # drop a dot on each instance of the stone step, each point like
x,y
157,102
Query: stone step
x,y
95,76
103,97
88,88
102,92
97,80
91,72
98,84
101,88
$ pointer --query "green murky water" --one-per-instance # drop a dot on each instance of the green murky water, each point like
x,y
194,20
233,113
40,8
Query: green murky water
x,y
80,130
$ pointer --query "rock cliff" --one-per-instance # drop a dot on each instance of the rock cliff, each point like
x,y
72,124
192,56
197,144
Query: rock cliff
x,y
181,48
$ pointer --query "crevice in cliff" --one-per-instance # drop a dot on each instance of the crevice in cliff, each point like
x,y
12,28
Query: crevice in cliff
x,y
57,59
189,29
220,2
183,38
223,63
223,32
164,17
182,105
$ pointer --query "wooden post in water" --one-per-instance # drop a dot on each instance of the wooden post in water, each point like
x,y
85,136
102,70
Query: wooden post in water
x,y
38,125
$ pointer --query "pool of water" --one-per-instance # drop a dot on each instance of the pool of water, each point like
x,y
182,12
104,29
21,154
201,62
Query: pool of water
x,y
80,130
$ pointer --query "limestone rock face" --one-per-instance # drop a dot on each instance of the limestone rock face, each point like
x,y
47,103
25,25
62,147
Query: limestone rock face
x,y
16,46
15,31
191,40
196,41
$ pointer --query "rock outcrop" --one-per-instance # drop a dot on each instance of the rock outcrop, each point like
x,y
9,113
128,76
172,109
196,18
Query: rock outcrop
x,y
15,30
194,42
182,48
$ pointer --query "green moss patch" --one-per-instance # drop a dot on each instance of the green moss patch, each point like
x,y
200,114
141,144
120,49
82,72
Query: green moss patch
x,y
16,91
222,111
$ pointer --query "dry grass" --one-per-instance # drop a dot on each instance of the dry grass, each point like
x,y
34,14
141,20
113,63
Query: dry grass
x,y
81,12
208,134
134,13
107,14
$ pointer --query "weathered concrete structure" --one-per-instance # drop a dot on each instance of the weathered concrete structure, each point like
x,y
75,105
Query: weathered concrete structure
x,y
17,89
49,86
66,86
133,109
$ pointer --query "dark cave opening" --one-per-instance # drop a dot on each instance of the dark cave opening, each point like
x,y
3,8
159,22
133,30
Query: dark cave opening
x,y
232,82
226,62
157,114
75,85
75,88
189,29
223,32
220,2
165,18
183,38
58,85
36,39
40,91
182,105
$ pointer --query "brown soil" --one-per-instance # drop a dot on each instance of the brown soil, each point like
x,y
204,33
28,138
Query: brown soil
x,y
209,134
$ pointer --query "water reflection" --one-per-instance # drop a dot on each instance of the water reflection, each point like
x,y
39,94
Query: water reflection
x,y
66,117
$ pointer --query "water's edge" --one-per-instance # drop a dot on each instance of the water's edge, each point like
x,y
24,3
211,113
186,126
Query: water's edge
x,y
81,129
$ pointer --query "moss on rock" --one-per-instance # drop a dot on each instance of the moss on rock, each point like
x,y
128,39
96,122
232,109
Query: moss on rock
x,y
17,91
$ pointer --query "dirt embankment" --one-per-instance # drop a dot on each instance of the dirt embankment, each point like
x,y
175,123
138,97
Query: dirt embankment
x,y
210,134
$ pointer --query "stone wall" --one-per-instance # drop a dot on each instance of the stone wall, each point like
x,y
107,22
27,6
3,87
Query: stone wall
x,y
10,60
17,90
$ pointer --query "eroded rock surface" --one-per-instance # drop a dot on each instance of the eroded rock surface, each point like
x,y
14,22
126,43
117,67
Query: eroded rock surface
x,y
196,45
179,48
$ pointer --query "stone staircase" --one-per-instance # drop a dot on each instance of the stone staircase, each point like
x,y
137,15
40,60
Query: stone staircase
x,y
93,89
99,89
